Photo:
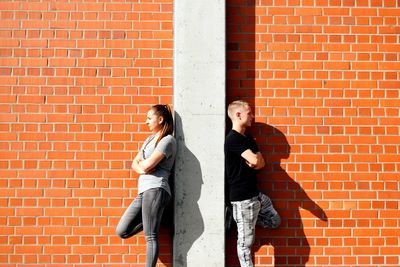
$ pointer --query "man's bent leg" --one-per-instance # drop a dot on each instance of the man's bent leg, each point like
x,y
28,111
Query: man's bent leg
x,y
268,217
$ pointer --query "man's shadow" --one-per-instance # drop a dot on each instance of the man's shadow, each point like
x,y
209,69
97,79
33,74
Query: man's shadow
x,y
289,240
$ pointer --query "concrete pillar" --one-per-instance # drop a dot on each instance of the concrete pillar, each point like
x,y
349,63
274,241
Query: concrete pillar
x,y
199,103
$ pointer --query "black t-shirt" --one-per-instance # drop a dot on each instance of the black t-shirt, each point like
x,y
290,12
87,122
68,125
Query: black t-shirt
x,y
241,178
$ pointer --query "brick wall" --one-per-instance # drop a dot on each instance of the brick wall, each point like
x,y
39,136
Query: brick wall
x,y
77,78
324,79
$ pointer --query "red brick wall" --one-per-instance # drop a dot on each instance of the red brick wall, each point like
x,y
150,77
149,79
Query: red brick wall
x,y
77,78
324,79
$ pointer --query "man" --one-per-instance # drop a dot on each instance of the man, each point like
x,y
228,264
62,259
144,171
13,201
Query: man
x,y
243,159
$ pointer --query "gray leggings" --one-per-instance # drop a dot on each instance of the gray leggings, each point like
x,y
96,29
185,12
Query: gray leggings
x,y
145,211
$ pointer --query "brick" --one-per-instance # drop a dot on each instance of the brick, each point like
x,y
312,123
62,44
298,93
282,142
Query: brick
x,y
28,249
86,249
57,249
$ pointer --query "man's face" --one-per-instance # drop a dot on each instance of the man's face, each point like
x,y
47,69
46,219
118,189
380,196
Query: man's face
x,y
246,116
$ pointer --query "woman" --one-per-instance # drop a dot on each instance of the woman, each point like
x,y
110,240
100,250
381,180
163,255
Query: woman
x,y
154,163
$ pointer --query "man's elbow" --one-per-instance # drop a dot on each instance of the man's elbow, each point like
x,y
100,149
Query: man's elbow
x,y
260,162
261,165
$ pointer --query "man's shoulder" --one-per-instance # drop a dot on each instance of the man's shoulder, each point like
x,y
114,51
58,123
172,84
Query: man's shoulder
x,y
232,136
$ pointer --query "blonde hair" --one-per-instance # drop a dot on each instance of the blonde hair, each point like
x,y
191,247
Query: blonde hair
x,y
235,105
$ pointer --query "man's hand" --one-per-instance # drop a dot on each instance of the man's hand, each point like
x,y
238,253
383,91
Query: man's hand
x,y
255,161
250,165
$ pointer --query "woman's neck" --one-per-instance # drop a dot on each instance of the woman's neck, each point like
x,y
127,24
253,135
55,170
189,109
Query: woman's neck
x,y
158,133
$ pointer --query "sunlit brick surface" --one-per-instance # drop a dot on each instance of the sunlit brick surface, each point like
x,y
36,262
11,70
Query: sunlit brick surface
x,y
324,79
76,79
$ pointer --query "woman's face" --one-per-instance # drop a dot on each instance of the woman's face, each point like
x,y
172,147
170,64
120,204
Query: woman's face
x,y
153,121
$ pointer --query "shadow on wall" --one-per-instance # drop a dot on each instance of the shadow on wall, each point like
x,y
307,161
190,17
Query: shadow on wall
x,y
291,247
290,243
167,227
189,224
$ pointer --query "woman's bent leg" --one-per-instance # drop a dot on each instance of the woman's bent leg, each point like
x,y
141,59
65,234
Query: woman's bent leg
x,y
131,222
154,202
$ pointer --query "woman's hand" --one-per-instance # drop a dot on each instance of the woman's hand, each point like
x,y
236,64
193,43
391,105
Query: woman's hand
x,y
136,165
149,165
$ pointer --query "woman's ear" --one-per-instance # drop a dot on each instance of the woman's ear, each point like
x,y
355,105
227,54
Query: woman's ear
x,y
160,119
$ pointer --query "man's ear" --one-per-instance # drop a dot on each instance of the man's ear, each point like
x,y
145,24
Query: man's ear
x,y
237,114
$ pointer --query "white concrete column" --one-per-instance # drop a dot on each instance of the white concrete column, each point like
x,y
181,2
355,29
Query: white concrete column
x,y
199,103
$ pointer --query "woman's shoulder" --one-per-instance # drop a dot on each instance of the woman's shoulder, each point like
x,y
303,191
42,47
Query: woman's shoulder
x,y
169,139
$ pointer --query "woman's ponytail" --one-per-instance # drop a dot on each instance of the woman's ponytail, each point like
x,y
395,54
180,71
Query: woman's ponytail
x,y
168,122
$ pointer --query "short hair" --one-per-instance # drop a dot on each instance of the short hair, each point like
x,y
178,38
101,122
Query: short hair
x,y
234,106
